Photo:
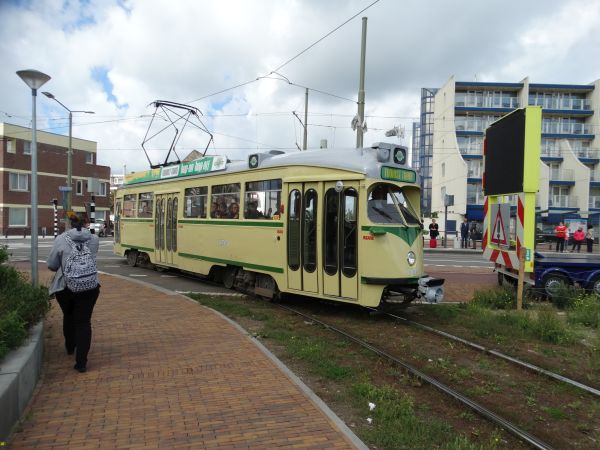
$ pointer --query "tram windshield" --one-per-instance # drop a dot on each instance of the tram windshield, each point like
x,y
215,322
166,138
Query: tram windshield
x,y
388,204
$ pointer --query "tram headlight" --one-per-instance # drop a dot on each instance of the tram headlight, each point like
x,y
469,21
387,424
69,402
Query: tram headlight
x,y
411,258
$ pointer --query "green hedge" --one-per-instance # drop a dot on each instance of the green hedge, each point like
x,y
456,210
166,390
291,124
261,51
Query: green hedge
x,y
21,305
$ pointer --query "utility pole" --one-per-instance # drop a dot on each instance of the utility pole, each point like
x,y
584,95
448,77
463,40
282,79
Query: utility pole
x,y
361,88
305,119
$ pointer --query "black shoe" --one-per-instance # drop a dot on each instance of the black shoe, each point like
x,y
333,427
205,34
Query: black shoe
x,y
79,368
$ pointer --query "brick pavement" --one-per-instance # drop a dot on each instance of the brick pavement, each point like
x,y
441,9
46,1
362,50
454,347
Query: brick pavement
x,y
164,372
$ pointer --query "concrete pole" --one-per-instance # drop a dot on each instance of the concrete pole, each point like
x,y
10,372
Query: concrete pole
x,y
34,194
305,119
69,171
361,87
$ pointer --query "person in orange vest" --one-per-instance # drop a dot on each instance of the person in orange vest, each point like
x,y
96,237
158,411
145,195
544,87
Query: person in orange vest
x,y
561,233
578,238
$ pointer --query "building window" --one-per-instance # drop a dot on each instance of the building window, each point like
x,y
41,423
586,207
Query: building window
x,y
79,187
89,158
10,146
443,169
18,182
101,189
17,217
27,148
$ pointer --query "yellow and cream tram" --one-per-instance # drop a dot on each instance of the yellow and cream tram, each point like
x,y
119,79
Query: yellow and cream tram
x,y
334,224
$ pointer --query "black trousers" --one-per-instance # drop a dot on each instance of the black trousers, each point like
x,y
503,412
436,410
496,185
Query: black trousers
x,y
590,244
77,308
560,244
464,241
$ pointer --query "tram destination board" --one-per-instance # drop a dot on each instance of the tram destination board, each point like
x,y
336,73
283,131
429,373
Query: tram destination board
x,y
505,155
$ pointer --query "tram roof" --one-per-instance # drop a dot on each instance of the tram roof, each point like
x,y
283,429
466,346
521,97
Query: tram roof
x,y
367,161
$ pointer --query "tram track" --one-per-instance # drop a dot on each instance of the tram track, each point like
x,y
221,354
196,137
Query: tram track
x,y
496,353
493,417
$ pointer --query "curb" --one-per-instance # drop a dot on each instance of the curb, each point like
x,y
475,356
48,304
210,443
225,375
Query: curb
x,y
19,374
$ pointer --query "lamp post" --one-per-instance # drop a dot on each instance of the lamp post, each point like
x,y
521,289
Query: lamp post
x,y
34,79
69,153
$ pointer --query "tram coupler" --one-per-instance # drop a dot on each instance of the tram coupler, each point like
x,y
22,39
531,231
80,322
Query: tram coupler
x,y
431,289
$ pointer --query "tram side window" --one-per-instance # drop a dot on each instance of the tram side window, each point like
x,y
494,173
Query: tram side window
x,y
225,201
145,204
196,199
129,205
350,232
263,199
309,235
294,230
330,239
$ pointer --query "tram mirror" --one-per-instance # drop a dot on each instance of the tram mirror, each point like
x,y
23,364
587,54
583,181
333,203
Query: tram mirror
x,y
383,154
339,186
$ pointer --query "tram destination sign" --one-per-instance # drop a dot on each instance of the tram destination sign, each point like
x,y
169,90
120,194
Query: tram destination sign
x,y
397,174
187,169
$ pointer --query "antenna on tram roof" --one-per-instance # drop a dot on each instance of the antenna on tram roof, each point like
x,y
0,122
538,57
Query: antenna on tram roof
x,y
173,113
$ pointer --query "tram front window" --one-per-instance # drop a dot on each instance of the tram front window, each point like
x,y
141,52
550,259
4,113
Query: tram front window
x,y
388,204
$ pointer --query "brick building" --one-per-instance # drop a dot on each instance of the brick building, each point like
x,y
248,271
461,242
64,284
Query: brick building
x,y
15,173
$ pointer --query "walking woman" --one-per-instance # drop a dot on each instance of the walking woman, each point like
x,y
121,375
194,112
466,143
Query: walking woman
x,y
75,284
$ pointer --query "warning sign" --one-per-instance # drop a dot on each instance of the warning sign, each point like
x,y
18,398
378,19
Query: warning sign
x,y
500,224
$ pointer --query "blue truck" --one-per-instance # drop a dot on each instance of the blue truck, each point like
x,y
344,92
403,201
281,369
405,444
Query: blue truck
x,y
550,270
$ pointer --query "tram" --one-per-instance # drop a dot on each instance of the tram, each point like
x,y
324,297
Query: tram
x,y
342,225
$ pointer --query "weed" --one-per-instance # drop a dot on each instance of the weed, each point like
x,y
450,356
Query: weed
x,y
502,297
555,413
585,310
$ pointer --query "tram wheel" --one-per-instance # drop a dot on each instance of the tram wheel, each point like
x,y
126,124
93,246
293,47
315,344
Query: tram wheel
x,y
229,276
132,257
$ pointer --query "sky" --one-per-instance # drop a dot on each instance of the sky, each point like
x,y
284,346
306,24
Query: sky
x,y
117,57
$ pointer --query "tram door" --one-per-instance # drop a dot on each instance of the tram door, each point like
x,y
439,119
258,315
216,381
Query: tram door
x,y
303,210
165,228
340,240
117,221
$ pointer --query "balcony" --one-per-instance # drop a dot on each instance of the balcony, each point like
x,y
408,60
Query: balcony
x,y
594,202
566,104
587,153
562,175
475,199
564,128
471,150
563,201
550,153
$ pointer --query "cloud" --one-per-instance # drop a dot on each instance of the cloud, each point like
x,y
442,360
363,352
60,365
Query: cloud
x,y
115,58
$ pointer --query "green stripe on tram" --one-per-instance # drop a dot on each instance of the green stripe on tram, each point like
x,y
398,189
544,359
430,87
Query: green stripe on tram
x,y
242,223
128,219
407,234
137,247
233,263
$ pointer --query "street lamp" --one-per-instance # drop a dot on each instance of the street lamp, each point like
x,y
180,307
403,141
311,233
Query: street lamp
x,y
69,153
34,79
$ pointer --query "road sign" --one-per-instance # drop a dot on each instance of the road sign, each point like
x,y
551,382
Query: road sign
x,y
65,188
500,228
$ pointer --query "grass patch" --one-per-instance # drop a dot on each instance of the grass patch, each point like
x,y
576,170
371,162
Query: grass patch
x,y
585,310
21,305
501,297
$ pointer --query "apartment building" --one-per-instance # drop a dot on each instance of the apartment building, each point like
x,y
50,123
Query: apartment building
x,y
448,148
15,170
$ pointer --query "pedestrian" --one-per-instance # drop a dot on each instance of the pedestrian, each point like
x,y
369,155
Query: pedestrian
x,y
75,285
464,233
433,233
589,237
560,232
578,238
473,234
